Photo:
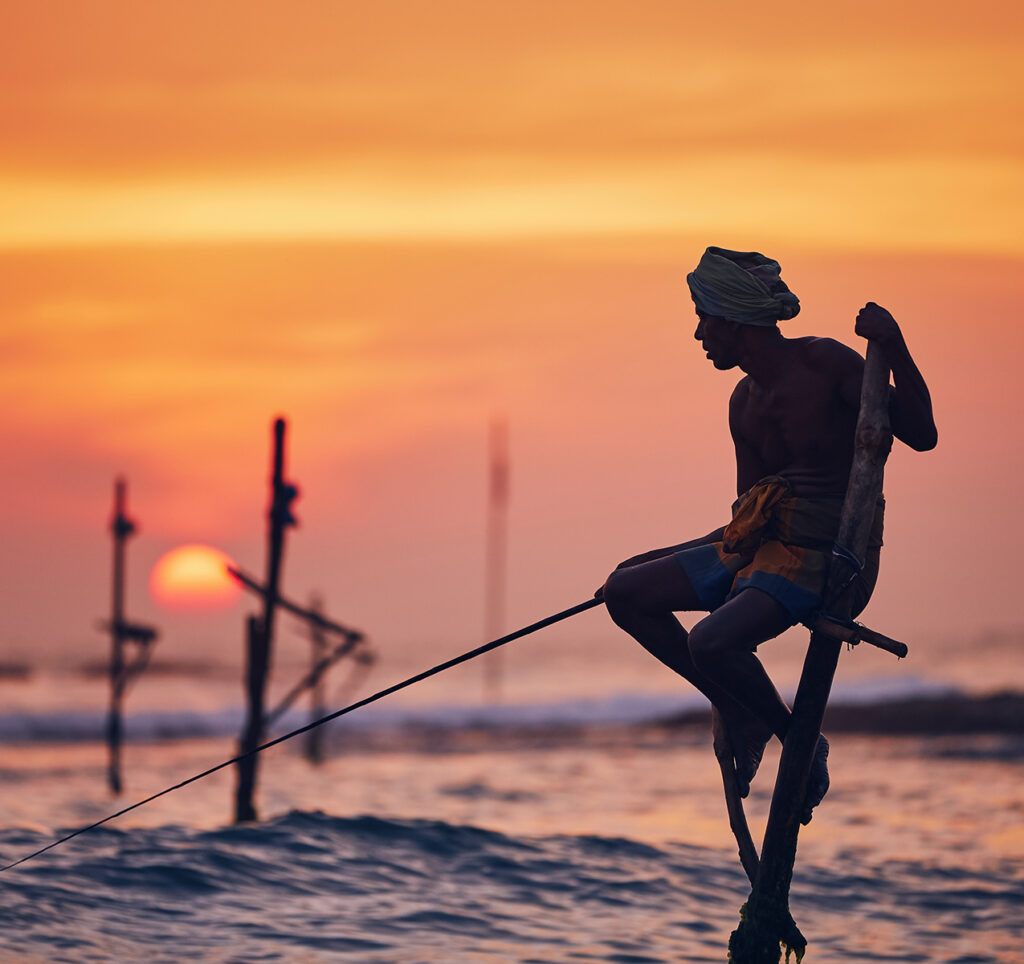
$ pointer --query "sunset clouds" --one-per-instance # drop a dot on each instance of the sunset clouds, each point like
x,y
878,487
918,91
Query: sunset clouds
x,y
170,122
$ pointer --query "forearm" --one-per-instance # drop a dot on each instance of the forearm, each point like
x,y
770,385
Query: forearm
x,y
910,408
910,404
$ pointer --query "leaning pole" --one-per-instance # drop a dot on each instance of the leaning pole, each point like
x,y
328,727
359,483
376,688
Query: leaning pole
x,y
763,921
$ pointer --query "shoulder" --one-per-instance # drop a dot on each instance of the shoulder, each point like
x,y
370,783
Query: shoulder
x,y
839,363
740,404
831,354
740,394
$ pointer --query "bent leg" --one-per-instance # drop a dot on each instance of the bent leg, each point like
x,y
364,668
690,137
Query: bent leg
x,y
641,600
722,647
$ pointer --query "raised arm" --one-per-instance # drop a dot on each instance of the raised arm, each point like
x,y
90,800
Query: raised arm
x,y
910,404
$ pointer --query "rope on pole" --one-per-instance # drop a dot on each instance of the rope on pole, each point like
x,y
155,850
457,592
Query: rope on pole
x,y
419,677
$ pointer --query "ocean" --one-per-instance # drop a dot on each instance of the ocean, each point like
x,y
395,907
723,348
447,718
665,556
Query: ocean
x,y
589,826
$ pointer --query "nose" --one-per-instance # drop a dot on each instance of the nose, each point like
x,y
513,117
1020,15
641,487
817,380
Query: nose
x,y
699,333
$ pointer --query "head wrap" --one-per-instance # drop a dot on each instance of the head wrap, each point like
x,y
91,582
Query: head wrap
x,y
742,286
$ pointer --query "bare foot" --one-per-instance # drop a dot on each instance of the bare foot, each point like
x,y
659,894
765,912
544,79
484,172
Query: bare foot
x,y
749,737
817,783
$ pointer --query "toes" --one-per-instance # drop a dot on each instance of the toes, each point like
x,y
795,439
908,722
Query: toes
x,y
742,785
748,738
819,782
746,769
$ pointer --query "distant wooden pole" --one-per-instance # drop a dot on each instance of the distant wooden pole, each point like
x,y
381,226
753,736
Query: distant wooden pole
x,y
256,656
317,705
763,925
260,633
121,528
496,556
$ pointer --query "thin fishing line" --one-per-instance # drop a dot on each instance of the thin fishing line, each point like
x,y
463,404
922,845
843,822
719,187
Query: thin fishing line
x,y
419,677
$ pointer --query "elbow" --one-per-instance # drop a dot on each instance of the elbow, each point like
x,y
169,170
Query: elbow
x,y
920,434
924,441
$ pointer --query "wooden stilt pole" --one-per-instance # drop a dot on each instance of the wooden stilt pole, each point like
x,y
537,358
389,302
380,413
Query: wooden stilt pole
x,y
122,528
733,802
255,678
738,818
496,556
260,633
762,925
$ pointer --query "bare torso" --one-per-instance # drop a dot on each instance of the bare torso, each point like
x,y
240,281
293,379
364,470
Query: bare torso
x,y
800,422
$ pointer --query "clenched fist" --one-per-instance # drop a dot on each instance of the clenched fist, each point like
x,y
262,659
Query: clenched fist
x,y
876,324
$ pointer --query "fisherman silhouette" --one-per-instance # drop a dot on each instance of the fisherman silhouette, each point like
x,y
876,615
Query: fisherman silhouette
x,y
792,418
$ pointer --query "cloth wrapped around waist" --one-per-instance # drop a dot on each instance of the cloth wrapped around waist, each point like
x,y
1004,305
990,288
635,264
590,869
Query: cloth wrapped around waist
x,y
781,544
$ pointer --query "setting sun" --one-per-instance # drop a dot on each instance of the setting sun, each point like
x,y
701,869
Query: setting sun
x,y
193,577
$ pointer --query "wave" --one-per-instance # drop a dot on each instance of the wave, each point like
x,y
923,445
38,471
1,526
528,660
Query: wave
x,y
882,706
945,713
313,887
80,725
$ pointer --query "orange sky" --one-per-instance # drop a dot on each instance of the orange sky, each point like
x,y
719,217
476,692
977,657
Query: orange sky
x,y
390,224
129,122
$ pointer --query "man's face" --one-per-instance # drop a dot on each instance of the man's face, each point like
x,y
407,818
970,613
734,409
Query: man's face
x,y
720,340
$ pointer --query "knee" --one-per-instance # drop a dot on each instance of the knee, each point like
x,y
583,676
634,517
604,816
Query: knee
x,y
706,647
622,596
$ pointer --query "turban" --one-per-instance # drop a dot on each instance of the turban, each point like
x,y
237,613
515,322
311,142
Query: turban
x,y
742,286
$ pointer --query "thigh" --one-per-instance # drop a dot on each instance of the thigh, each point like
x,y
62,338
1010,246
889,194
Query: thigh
x,y
660,585
744,622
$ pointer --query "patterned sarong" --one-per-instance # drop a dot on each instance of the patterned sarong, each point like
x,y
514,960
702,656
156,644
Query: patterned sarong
x,y
781,544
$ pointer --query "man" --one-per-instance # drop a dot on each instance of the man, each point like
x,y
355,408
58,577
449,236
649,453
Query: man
x,y
792,417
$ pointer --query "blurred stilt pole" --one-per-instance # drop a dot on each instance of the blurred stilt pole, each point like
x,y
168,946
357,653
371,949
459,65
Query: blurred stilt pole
x,y
260,632
256,659
496,562
122,528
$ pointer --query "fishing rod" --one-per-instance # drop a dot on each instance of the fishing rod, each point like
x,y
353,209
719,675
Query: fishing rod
x,y
419,677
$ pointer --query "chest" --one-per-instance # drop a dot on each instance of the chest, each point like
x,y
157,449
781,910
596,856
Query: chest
x,y
804,415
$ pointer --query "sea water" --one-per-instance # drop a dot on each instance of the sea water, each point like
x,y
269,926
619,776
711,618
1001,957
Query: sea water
x,y
580,829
